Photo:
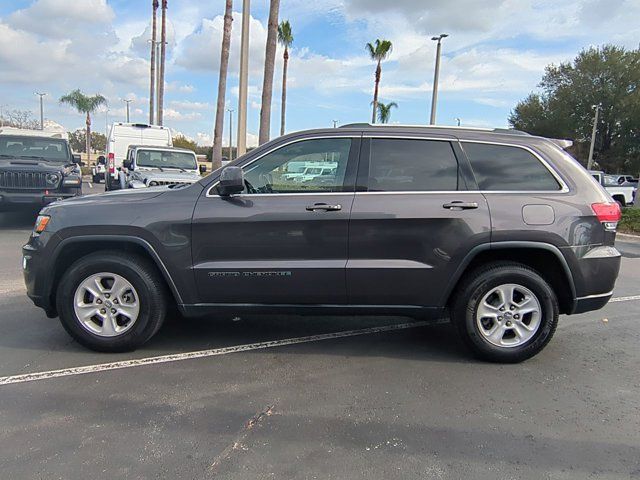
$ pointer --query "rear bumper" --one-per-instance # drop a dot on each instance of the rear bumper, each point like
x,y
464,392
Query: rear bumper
x,y
10,200
596,273
591,302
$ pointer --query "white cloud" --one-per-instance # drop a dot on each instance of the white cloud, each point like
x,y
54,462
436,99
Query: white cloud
x,y
188,105
176,116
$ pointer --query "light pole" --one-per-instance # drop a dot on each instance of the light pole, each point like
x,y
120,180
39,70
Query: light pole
x,y
106,123
458,120
41,95
230,110
241,147
436,75
335,123
593,137
127,102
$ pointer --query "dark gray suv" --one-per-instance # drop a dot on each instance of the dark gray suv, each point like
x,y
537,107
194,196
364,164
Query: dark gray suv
x,y
498,230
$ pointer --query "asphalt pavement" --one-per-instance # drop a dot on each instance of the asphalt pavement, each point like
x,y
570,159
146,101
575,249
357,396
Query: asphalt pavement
x,y
375,402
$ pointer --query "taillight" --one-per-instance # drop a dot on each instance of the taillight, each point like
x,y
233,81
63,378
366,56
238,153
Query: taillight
x,y
112,163
608,213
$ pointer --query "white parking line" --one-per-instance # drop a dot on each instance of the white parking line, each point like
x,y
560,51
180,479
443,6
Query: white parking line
x,y
102,367
625,299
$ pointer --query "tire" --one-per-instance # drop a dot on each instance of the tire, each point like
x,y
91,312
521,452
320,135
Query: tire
x,y
148,296
513,340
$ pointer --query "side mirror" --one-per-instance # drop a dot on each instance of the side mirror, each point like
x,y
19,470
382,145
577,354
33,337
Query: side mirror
x,y
126,163
203,169
231,181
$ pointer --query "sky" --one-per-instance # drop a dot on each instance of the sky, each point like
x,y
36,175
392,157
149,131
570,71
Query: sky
x,y
495,55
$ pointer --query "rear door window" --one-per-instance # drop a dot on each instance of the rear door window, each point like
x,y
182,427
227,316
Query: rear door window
x,y
403,165
507,168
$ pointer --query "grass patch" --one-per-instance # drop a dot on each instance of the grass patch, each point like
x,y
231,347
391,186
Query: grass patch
x,y
630,222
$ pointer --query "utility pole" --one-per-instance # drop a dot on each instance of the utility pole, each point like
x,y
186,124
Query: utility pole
x,y
230,110
152,80
41,110
593,137
127,102
241,147
163,45
436,75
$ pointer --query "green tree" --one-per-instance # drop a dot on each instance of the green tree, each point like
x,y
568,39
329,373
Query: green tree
x,y
608,76
87,105
378,52
181,141
384,111
78,141
285,38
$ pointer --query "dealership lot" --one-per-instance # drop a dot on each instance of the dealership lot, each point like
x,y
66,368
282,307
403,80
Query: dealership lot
x,y
377,402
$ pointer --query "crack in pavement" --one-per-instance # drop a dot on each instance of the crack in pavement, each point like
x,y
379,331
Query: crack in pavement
x,y
236,444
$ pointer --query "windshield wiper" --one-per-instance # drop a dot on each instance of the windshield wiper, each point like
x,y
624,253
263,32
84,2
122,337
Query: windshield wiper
x,y
33,156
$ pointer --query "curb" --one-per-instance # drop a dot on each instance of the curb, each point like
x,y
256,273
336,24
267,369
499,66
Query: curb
x,y
629,236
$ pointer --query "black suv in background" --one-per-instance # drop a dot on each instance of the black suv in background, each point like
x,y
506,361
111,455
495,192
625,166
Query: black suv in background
x,y
501,231
36,169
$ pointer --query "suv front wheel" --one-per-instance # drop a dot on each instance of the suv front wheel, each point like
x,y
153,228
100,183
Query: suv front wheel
x,y
505,312
112,302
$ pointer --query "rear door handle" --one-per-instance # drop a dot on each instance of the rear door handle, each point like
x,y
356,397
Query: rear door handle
x,y
458,205
324,206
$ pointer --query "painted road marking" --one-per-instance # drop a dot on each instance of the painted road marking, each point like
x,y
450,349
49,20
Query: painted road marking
x,y
176,357
625,299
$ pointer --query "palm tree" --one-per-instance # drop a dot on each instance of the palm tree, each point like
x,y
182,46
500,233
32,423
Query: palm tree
x,y
285,38
222,86
378,52
163,47
87,105
152,93
269,65
384,111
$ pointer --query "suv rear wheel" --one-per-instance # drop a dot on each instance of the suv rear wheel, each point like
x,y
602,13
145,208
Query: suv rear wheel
x,y
505,312
112,302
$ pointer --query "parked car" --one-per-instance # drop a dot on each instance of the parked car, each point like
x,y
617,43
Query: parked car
x,y
156,166
500,232
37,167
626,179
121,136
623,194
99,170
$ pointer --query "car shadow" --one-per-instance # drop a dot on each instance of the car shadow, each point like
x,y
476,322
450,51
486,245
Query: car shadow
x,y
19,219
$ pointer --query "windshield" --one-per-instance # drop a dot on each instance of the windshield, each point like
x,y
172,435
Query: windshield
x,y
51,149
166,159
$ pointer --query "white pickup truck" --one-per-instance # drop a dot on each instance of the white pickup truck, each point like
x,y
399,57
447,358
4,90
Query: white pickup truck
x,y
625,195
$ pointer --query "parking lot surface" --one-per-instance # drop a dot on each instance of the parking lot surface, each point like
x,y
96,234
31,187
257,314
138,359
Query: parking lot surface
x,y
376,402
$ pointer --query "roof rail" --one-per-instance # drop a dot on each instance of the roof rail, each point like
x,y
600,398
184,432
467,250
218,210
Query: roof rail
x,y
508,131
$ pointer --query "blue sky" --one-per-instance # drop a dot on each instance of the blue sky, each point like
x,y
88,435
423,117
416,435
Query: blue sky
x,y
495,55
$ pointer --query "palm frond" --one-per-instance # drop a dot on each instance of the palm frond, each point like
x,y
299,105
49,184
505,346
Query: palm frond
x,y
285,35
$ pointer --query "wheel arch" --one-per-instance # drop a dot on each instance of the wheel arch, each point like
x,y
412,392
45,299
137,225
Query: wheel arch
x,y
71,249
545,258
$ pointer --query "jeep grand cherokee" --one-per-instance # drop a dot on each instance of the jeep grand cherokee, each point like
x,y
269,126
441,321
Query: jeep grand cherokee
x,y
499,231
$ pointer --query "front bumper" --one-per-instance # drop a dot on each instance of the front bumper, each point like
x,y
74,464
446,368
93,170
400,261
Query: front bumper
x,y
28,199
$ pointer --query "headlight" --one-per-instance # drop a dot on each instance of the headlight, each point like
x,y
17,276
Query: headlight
x,y
52,178
71,181
41,223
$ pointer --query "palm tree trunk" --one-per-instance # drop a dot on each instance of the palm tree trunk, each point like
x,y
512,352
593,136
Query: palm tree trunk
x,y
152,87
88,139
163,41
283,109
375,92
222,87
269,65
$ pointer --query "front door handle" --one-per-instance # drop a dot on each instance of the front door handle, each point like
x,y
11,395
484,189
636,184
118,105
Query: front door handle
x,y
323,206
458,205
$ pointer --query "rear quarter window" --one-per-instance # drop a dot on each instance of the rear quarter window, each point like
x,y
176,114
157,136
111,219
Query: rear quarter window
x,y
507,168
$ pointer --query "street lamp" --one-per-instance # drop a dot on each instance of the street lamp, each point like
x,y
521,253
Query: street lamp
x,y
230,110
593,136
436,75
335,123
127,102
458,120
41,95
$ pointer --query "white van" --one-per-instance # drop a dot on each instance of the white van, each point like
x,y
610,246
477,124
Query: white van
x,y
121,136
